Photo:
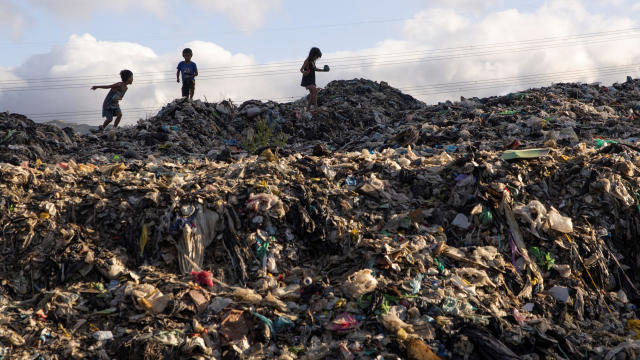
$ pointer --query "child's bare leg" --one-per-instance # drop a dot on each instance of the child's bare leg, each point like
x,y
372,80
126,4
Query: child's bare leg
x,y
312,90
315,100
106,122
308,108
192,90
115,124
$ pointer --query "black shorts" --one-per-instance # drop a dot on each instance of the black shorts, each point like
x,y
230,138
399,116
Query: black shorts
x,y
188,84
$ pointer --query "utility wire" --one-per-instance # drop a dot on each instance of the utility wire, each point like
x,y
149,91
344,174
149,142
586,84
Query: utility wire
x,y
433,89
572,40
348,67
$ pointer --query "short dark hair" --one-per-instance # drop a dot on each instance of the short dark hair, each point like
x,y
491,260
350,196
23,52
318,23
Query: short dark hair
x,y
314,52
187,51
125,75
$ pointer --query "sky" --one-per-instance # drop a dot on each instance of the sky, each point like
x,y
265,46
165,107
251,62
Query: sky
x,y
53,51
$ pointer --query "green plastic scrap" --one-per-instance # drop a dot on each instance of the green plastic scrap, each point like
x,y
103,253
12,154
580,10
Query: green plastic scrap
x,y
486,217
262,249
265,320
524,154
107,311
509,112
283,323
600,142
439,264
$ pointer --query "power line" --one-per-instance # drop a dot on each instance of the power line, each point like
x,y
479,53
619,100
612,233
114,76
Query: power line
x,y
432,89
621,34
352,66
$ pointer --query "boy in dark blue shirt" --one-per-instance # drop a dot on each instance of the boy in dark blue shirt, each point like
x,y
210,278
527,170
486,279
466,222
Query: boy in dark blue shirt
x,y
189,71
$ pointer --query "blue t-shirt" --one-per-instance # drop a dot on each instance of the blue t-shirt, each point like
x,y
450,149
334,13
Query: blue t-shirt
x,y
187,70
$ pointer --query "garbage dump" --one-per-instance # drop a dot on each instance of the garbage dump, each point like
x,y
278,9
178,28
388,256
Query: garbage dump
x,y
381,228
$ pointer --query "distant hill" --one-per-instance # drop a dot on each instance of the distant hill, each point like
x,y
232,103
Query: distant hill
x,y
79,128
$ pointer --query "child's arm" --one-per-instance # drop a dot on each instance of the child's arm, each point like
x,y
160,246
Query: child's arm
x,y
304,69
196,72
316,68
178,76
106,86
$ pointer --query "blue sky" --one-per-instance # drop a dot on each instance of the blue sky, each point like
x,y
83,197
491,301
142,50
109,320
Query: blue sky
x,y
70,45
288,30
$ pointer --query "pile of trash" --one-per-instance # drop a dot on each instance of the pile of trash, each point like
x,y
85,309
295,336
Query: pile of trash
x,y
196,129
498,228
21,139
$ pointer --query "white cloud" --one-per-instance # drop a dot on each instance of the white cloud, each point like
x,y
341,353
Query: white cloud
x,y
428,24
611,2
451,28
466,6
248,15
636,7
84,61
12,18
80,8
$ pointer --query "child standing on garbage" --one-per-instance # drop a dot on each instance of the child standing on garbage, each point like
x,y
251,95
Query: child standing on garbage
x,y
189,71
111,106
308,71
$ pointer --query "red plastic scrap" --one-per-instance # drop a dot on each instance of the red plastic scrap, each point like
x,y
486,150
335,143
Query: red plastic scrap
x,y
204,278
344,322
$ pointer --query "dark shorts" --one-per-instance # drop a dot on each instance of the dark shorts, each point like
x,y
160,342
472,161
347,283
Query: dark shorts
x,y
187,85
110,111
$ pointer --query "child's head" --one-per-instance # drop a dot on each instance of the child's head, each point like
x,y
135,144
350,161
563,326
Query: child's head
x,y
187,54
126,76
315,53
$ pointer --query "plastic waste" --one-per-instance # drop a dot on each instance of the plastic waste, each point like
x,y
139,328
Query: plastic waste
x,y
359,283
103,335
204,278
343,323
560,223
560,293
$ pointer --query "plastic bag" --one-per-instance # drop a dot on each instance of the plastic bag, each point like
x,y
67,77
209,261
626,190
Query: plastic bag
x,y
360,283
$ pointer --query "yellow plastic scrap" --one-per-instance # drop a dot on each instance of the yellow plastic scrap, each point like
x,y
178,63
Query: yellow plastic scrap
x,y
144,237
66,333
268,155
402,335
44,215
38,162
147,305
634,325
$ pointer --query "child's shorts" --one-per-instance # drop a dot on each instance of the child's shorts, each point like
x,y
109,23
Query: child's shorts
x,y
188,84
111,111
